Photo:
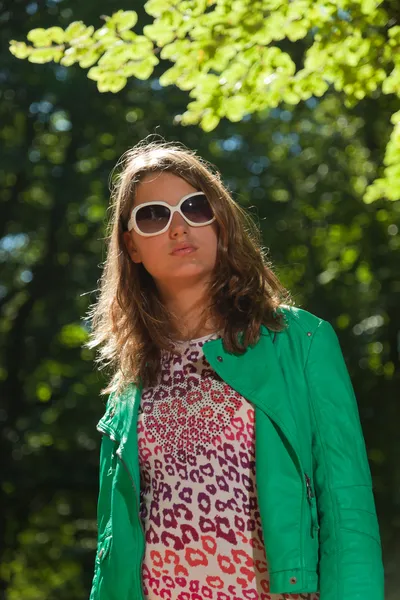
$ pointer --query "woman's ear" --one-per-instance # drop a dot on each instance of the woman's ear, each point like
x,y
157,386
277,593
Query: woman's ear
x,y
130,246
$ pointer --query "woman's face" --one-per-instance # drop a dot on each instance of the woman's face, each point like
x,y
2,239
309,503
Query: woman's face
x,y
172,272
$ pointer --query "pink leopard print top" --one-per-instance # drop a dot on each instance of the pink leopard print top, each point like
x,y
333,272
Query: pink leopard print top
x,y
198,492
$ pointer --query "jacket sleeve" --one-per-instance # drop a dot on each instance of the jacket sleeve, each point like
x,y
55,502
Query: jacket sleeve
x,y
350,547
107,456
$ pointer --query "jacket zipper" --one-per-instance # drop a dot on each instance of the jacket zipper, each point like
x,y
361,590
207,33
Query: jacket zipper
x,y
137,502
310,495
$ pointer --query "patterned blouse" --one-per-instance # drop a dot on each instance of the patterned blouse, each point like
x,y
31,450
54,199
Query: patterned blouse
x,y
198,496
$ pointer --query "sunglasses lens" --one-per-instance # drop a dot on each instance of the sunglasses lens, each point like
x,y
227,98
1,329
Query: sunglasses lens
x,y
197,209
152,218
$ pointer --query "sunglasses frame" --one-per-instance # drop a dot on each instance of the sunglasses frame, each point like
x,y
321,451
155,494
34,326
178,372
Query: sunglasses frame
x,y
172,209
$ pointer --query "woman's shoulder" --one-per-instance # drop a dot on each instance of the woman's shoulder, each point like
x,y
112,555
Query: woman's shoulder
x,y
297,337
298,320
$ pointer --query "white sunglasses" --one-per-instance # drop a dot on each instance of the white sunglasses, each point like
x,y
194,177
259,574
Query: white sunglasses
x,y
154,218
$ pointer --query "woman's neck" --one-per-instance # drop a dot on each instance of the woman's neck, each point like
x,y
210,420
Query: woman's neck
x,y
187,312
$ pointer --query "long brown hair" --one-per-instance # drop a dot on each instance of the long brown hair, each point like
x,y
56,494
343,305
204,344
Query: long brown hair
x,y
129,321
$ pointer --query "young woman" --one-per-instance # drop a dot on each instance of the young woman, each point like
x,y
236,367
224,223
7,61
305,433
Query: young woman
x,y
233,464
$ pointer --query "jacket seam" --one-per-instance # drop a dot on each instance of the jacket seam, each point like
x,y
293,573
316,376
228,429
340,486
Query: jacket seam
x,y
360,510
312,342
294,569
324,452
297,321
306,330
362,533
353,485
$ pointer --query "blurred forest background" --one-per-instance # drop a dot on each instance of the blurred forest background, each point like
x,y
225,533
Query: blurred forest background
x,y
300,170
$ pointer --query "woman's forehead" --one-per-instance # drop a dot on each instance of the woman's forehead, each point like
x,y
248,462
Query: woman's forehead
x,y
167,187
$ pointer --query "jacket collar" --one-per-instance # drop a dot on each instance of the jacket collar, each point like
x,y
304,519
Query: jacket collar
x,y
256,374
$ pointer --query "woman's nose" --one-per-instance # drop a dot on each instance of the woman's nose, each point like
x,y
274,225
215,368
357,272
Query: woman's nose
x,y
177,223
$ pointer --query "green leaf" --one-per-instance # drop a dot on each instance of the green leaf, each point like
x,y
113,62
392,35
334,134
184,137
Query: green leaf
x,y
290,96
194,113
159,33
45,37
175,50
395,118
111,83
156,8
209,121
170,76
123,20
392,84
106,36
207,83
77,30
235,107
296,30
96,73
141,48
45,55
39,37
186,80
56,34
71,56
89,58
20,49
115,56
368,7
223,56
140,70
375,191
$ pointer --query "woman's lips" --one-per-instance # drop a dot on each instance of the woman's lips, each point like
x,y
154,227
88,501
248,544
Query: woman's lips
x,y
183,251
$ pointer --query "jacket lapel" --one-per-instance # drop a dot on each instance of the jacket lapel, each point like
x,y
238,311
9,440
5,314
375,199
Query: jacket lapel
x,y
258,377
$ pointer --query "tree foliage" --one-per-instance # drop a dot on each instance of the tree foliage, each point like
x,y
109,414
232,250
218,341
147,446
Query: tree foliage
x,y
235,57
300,169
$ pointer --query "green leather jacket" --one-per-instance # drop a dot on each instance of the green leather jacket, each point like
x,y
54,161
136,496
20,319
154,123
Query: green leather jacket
x,y
313,479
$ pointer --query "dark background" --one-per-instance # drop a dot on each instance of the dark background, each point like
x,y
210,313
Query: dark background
x,y
301,172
